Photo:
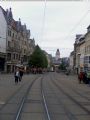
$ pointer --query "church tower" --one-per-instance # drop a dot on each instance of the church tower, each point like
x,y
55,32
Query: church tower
x,y
57,54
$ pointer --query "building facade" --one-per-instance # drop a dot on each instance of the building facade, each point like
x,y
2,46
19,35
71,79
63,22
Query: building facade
x,y
87,49
79,52
82,52
15,39
71,60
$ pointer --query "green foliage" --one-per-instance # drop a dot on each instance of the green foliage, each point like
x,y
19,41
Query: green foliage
x,y
62,66
38,58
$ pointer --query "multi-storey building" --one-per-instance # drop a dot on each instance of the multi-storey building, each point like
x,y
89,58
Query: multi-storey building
x,y
82,51
14,40
79,51
3,27
87,49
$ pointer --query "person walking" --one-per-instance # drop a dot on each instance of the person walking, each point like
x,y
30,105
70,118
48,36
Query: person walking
x,y
21,74
85,80
17,75
88,77
80,76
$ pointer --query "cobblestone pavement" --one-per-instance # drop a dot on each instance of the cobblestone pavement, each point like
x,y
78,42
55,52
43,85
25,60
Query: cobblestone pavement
x,y
66,98
8,86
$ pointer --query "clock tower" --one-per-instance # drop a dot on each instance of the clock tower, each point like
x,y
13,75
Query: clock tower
x,y
57,54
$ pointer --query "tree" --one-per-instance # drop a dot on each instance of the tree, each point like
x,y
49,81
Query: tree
x,y
38,58
62,66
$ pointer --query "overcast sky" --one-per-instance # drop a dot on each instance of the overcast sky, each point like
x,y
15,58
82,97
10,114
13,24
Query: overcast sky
x,y
52,24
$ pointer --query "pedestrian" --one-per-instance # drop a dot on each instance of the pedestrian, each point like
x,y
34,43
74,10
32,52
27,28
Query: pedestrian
x,y
88,76
80,76
85,80
21,74
17,75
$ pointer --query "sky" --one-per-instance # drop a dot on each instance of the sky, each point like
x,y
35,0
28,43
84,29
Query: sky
x,y
53,24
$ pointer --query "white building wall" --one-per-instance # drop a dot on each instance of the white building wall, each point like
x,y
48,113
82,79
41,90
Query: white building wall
x,y
3,28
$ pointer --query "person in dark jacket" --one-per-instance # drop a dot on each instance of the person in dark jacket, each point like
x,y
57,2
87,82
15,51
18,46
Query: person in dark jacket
x,y
88,77
21,74
85,80
17,75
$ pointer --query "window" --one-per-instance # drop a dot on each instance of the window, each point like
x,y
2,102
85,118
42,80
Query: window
x,y
13,35
9,43
8,33
14,56
8,56
89,59
86,59
19,57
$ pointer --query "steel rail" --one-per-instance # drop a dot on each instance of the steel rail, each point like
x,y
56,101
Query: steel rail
x,y
18,114
68,112
69,86
44,101
70,97
10,98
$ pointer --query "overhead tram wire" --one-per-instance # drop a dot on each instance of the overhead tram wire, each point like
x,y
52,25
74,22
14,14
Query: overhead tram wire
x,y
83,17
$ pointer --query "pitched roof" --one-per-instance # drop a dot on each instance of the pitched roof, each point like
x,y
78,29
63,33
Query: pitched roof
x,y
4,13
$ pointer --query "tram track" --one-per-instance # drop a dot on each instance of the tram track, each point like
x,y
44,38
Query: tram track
x,y
59,115
74,90
29,100
69,96
45,102
5,111
11,96
17,116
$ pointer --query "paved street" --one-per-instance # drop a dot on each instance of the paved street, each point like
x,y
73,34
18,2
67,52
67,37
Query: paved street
x,y
65,98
